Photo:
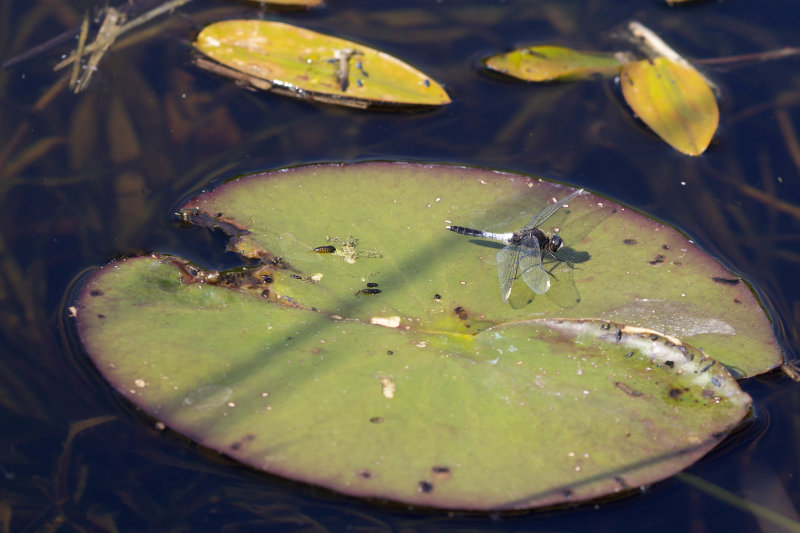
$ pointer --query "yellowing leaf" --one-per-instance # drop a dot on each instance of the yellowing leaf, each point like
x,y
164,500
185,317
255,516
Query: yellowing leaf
x,y
547,63
674,101
307,64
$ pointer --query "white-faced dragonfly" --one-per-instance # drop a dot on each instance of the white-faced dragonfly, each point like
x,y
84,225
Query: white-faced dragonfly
x,y
524,250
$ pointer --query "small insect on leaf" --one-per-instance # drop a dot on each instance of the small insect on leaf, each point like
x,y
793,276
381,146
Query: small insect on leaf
x,y
369,291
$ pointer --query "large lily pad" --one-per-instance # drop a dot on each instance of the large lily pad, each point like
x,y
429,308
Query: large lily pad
x,y
306,64
432,391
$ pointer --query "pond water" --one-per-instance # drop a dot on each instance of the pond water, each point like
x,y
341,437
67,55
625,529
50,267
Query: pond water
x,y
90,177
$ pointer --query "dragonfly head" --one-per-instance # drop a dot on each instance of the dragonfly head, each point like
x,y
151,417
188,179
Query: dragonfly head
x,y
555,243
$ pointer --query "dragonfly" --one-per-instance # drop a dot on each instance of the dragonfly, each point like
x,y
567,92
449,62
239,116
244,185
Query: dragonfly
x,y
524,249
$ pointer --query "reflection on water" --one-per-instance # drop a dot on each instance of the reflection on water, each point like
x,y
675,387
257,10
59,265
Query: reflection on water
x,y
87,178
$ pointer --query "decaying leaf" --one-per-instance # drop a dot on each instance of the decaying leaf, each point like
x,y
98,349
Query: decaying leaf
x,y
674,100
666,92
548,63
306,64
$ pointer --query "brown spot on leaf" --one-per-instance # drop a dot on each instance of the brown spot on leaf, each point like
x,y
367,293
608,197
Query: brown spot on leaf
x,y
657,259
727,281
376,419
238,444
461,313
198,217
629,242
425,487
676,393
96,293
365,474
441,473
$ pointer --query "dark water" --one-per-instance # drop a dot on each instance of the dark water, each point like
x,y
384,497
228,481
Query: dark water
x,y
90,177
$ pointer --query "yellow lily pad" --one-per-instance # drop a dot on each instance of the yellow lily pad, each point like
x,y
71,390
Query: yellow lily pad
x,y
310,65
674,100
548,63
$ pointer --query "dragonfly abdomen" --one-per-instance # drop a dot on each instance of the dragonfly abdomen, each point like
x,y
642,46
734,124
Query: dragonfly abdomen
x,y
503,237
466,231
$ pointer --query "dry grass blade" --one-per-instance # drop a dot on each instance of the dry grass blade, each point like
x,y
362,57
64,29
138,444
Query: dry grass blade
x,y
76,66
113,27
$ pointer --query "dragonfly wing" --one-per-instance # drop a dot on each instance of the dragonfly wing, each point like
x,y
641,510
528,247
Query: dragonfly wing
x,y
507,262
531,270
548,210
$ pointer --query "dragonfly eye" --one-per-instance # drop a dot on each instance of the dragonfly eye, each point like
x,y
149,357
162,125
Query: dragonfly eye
x,y
555,243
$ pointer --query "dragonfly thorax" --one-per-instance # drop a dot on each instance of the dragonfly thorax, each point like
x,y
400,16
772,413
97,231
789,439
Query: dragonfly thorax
x,y
532,237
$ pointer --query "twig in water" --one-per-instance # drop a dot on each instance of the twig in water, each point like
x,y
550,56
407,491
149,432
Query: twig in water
x,y
112,27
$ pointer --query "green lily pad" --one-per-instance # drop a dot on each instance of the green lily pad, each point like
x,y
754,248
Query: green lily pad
x,y
674,100
432,391
305,64
548,63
